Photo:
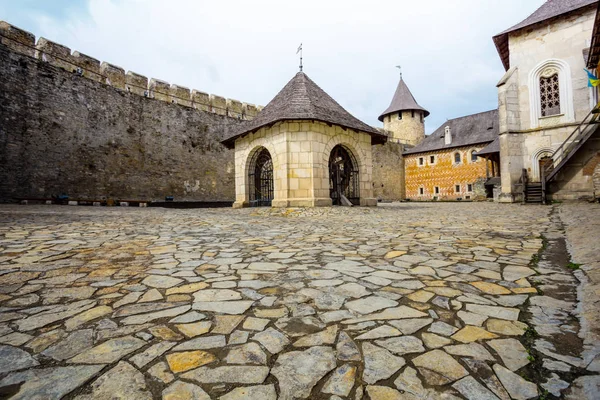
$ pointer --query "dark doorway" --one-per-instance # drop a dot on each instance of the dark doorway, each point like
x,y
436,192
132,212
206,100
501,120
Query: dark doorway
x,y
260,179
343,176
543,163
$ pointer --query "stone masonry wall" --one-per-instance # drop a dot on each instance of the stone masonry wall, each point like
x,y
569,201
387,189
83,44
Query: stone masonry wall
x,y
388,171
409,130
71,125
445,174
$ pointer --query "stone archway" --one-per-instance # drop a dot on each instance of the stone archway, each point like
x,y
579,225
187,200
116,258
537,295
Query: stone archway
x,y
343,176
260,179
539,158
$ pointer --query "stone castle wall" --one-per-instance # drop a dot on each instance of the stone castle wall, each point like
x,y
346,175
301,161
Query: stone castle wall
x,y
388,171
445,174
72,125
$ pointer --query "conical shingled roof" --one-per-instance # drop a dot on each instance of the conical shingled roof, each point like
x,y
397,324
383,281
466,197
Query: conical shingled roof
x,y
303,99
403,100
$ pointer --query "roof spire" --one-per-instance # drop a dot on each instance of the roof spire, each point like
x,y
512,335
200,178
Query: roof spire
x,y
400,68
300,51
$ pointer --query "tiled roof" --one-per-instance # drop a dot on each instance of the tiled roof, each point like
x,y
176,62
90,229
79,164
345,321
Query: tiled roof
x,y
471,129
402,100
550,9
491,148
303,99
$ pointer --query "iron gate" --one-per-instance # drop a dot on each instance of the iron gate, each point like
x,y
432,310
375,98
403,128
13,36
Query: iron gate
x,y
260,178
343,176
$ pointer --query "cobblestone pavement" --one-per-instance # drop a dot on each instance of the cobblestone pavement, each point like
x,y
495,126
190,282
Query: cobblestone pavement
x,y
403,301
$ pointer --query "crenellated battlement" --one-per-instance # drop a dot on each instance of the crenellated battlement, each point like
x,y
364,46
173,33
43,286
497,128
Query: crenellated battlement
x,y
88,67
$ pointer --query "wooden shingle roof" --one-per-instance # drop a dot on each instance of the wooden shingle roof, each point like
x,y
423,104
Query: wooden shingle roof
x,y
403,100
468,130
303,99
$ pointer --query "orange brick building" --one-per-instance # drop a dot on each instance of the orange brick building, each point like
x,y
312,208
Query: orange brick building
x,y
445,165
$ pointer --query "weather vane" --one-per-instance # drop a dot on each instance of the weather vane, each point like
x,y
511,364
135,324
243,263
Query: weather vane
x,y
300,51
400,68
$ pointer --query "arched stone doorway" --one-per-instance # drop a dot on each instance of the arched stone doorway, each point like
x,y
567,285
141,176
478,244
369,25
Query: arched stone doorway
x,y
260,179
343,176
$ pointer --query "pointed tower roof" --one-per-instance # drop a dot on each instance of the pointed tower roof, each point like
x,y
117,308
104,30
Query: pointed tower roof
x,y
403,100
303,99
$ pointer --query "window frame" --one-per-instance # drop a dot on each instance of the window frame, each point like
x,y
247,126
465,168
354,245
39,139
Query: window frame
x,y
457,153
432,156
436,190
400,116
547,68
469,188
421,191
421,161
459,186
471,154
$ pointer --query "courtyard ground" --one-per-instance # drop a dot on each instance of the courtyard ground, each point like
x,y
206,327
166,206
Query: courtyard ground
x,y
402,301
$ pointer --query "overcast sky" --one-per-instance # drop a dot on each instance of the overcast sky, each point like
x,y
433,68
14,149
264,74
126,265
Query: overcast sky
x,y
246,50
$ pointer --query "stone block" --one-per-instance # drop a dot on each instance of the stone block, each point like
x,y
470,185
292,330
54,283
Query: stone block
x,y
180,95
137,84
200,100
54,54
218,104
249,110
17,39
90,66
159,90
73,203
115,75
234,108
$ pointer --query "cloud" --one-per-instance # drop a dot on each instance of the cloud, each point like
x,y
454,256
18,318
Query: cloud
x,y
246,49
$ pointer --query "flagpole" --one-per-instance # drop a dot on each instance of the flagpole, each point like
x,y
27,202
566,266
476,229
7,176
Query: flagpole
x,y
300,58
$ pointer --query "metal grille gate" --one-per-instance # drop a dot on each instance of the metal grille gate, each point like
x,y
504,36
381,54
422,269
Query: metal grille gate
x,y
343,176
260,178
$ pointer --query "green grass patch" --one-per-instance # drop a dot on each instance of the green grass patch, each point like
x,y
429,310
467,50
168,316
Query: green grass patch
x,y
573,266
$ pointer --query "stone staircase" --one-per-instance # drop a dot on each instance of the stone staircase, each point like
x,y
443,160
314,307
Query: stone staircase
x,y
533,193
569,147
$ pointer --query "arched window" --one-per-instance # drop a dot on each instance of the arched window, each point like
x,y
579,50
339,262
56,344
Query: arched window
x,y
457,158
550,93
473,156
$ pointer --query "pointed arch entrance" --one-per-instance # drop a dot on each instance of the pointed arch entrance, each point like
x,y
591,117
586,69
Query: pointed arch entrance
x,y
260,179
343,176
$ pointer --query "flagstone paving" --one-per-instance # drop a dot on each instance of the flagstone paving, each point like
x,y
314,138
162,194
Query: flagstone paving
x,y
402,301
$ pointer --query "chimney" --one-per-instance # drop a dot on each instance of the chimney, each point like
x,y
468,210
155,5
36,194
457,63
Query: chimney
x,y
447,135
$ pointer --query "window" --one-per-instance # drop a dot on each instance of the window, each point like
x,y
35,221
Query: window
x,y
436,190
469,187
457,188
549,95
431,159
412,113
400,115
473,156
421,191
421,114
456,158
421,161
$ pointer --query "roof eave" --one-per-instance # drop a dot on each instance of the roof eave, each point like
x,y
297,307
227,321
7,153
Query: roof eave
x,y
412,151
386,113
376,137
